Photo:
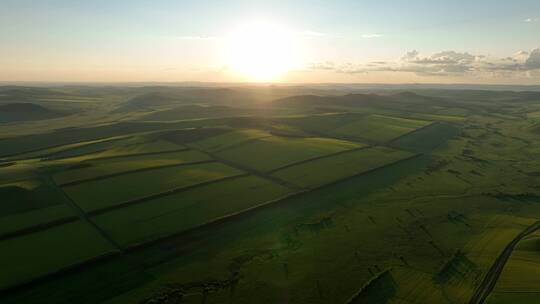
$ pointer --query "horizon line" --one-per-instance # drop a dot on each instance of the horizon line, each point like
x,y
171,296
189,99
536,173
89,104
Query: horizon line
x,y
225,83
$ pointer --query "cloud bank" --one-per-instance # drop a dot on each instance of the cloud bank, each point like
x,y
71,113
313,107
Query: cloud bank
x,y
446,63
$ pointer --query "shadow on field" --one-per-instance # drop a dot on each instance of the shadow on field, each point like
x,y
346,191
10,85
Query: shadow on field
x,y
380,289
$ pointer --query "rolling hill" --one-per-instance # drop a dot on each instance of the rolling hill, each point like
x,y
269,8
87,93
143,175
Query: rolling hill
x,y
13,112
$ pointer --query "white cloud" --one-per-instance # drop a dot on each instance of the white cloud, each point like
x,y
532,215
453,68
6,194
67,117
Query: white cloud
x,y
531,20
410,56
533,62
444,63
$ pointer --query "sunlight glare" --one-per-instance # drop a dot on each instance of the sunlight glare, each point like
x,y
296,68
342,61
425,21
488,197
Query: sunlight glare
x,y
261,51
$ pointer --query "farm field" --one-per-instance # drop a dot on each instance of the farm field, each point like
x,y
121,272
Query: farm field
x,y
318,172
73,149
519,281
270,153
93,169
51,250
186,210
123,188
229,139
426,139
255,195
380,128
31,203
130,149
21,221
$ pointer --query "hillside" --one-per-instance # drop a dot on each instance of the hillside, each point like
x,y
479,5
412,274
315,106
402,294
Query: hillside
x,y
13,112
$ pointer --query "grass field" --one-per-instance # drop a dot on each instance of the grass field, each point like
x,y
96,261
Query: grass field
x,y
89,148
379,128
97,168
123,188
19,221
189,209
224,141
30,203
322,123
427,138
74,149
47,251
132,149
519,282
270,153
319,172
333,195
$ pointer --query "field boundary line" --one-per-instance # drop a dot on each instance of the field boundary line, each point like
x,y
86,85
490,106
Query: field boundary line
x,y
58,273
490,279
185,233
243,143
364,172
96,178
107,140
356,140
85,217
135,154
38,228
51,158
161,194
391,144
13,155
318,157
251,171
261,206
244,212
411,132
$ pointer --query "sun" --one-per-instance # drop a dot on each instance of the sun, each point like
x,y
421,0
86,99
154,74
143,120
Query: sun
x,y
261,51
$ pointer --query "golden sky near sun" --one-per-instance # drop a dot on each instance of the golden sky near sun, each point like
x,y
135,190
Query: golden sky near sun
x,y
270,41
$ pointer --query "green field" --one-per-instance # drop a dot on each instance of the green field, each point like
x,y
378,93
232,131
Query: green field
x,y
322,123
427,138
268,194
519,282
75,149
379,128
224,141
123,188
88,148
270,153
186,210
97,168
30,203
48,251
19,221
132,149
326,170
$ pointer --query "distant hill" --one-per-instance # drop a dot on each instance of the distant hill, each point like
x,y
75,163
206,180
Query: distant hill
x,y
152,98
147,101
24,111
401,101
26,94
23,107
195,111
344,100
155,101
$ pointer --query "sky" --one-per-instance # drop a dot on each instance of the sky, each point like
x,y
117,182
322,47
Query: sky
x,y
352,41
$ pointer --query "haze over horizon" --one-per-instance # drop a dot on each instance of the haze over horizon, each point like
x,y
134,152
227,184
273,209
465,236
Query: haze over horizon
x,y
485,42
